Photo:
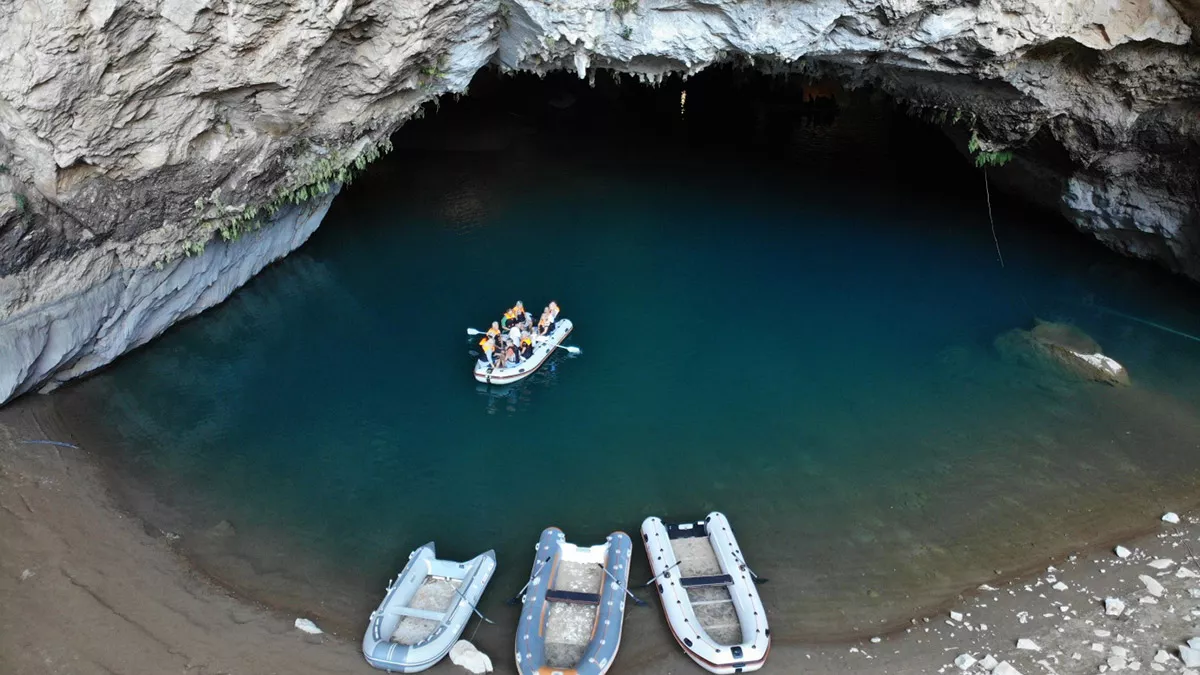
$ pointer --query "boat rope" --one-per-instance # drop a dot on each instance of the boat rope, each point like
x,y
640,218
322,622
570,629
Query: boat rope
x,y
1152,324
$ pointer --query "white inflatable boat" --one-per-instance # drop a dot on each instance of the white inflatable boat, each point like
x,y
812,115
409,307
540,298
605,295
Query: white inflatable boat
x,y
425,610
543,347
708,593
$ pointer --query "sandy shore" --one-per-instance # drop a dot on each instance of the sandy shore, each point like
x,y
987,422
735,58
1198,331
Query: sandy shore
x,y
88,589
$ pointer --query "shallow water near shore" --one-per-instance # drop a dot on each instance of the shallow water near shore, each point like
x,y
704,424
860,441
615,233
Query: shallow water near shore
x,y
793,327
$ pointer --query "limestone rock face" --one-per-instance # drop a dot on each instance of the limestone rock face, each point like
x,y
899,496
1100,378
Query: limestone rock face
x,y
134,132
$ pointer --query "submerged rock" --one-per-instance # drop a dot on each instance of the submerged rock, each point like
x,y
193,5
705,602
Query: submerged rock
x,y
1063,349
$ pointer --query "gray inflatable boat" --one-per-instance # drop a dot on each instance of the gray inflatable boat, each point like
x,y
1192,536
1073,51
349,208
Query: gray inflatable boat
x,y
425,610
574,606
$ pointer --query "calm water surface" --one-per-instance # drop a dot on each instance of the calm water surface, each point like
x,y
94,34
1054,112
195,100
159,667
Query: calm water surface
x,y
792,326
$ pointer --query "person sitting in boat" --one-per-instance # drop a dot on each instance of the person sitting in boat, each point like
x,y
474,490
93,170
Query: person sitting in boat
x,y
522,315
508,320
526,347
510,357
514,335
544,322
494,331
489,347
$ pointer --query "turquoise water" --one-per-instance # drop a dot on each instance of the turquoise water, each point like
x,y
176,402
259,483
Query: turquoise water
x,y
792,326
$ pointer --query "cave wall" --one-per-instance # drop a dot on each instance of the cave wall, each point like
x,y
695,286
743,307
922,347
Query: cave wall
x,y
186,139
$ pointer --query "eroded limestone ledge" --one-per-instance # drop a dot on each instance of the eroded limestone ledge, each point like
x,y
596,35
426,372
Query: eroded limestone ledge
x,y
128,127
124,296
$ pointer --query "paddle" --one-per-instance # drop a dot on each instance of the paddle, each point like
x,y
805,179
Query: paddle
x,y
757,579
655,578
573,350
473,609
636,600
517,598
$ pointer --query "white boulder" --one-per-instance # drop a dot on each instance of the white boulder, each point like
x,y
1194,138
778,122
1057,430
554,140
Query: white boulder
x,y
1190,656
1122,552
1060,586
956,616
308,627
1161,656
464,654
1026,643
964,661
1161,563
1170,517
1152,585
988,663
1113,606
1185,573
1194,643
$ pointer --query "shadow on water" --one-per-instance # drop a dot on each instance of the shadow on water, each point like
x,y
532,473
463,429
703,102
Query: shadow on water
x,y
787,314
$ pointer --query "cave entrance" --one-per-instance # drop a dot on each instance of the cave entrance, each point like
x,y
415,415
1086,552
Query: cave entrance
x,y
722,119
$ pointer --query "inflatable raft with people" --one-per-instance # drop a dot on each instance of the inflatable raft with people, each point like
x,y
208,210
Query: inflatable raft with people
x,y
515,347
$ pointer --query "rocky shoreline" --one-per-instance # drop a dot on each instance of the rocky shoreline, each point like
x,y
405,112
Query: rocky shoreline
x,y
91,590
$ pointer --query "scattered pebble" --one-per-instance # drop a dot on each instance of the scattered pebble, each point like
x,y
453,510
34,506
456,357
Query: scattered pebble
x,y
956,616
1003,668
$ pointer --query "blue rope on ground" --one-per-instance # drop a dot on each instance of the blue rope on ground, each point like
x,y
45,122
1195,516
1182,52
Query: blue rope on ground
x,y
58,443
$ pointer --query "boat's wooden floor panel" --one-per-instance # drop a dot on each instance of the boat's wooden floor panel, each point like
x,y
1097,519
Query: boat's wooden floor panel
x,y
715,612
696,557
569,625
713,604
435,595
